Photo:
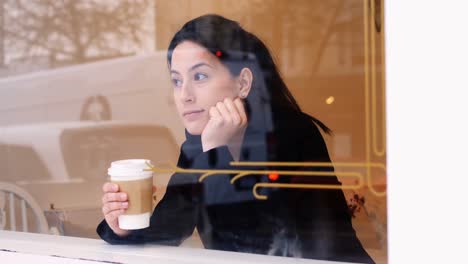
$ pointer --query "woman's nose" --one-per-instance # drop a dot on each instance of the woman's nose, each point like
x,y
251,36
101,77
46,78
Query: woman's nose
x,y
186,93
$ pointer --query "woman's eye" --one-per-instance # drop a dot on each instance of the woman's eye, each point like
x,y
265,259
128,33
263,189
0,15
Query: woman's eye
x,y
177,82
200,76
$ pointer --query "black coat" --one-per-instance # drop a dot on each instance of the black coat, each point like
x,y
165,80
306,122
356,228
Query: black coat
x,y
307,223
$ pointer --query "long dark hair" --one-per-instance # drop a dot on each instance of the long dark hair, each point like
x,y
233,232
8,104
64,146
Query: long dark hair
x,y
238,48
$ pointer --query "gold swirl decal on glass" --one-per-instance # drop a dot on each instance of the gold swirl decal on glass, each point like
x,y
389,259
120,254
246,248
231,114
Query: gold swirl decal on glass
x,y
359,183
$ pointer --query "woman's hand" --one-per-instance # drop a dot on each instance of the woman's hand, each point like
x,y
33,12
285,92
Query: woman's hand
x,y
227,121
114,204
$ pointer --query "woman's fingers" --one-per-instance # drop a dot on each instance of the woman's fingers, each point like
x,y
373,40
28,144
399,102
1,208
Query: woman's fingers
x,y
214,113
114,197
230,112
224,112
216,119
241,110
235,117
110,187
112,206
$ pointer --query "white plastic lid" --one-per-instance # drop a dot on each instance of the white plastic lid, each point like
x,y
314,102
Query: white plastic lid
x,y
131,168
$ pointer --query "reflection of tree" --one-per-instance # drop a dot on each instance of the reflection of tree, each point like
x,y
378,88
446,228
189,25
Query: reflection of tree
x,y
74,31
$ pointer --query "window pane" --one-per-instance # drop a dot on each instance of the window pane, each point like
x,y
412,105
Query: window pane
x,y
302,174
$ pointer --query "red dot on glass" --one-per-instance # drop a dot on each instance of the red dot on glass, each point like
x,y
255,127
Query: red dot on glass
x,y
273,176
218,53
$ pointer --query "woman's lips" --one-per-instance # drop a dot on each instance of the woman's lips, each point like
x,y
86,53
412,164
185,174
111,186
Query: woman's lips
x,y
193,115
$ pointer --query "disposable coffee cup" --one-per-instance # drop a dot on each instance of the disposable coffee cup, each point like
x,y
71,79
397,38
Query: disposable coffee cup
x,y
136,181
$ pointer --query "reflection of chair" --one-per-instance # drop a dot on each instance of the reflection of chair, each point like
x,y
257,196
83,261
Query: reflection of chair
x,y
12,193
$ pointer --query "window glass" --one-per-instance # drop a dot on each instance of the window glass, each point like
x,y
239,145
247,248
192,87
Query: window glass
x,y
292,164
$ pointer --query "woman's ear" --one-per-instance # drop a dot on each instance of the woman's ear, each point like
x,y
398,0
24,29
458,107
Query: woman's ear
x,y
245,82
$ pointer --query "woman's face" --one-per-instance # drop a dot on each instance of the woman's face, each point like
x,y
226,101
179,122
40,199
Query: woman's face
x,y
200,80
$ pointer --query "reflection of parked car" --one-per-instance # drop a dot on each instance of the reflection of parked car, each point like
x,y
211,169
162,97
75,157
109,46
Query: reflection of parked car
x,y
78,150
63,165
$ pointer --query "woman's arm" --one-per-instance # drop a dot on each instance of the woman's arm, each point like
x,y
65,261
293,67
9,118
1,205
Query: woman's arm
x,y
175,216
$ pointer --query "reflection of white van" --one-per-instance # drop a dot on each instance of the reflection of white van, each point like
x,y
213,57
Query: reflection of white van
x,y
63,165
131,88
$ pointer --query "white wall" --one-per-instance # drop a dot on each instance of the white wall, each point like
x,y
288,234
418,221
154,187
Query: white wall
x,y
427,105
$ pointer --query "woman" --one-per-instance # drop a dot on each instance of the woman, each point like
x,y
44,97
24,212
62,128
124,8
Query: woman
x,y
236,107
